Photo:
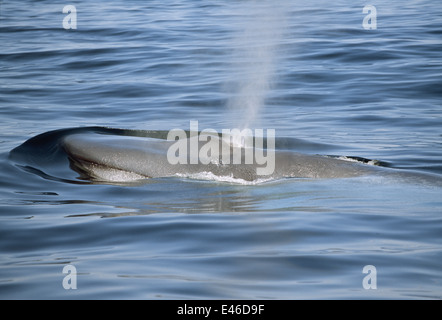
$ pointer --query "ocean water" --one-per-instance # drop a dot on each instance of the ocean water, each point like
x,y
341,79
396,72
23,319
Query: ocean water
x,y
311,71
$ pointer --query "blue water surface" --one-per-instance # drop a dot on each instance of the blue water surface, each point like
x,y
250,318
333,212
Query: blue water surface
x,y
311,71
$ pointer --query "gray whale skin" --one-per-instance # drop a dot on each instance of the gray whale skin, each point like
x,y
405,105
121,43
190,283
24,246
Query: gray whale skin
x,y
124,158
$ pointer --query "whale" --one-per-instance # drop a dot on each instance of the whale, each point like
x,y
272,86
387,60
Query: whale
x,y
124,158
105,155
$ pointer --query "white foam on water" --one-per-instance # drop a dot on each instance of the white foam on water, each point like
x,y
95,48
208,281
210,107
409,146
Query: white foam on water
x,y
349,159
210,176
